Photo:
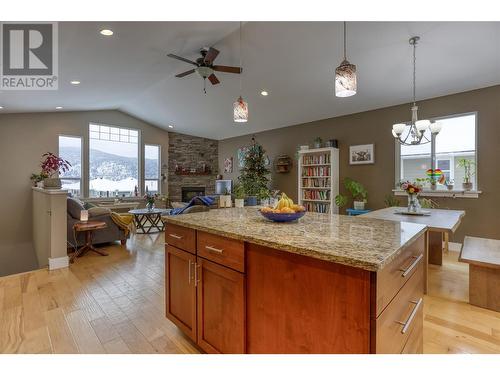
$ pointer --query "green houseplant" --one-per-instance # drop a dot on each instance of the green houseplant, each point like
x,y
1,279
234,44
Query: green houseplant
x,y
253,176
468,166
358,192
239,195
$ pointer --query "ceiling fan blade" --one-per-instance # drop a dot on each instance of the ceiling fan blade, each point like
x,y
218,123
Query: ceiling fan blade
x,y
181,58
227,69
212,78
211,55
180,75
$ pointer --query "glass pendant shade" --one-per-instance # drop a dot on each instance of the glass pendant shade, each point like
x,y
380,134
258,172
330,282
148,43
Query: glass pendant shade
x,y
398,129
345,80
435,127
422,125
240,110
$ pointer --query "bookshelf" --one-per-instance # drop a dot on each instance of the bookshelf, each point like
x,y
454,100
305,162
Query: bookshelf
x,y
319,179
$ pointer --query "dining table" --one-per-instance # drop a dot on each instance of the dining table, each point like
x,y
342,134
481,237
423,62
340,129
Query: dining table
x,y
440,224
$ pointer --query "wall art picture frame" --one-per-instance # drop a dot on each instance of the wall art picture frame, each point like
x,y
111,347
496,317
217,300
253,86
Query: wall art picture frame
x,y
228,165
361,154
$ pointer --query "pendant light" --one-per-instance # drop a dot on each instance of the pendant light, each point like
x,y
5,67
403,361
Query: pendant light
x,y
416,132
240,107
345,75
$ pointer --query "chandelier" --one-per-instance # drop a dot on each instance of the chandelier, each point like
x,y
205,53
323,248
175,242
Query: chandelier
x,y
415,130
240,107
345,75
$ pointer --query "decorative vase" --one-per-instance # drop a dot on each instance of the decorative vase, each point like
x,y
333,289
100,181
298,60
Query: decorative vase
x,y
39,184
359,205
239,203
450,187
304,147
413,203
52,183
251,201
317,144
467,186
433,186
150,206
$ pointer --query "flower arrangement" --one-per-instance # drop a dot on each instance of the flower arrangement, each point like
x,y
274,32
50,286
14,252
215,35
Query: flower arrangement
x,y
150,198
53,164
411,187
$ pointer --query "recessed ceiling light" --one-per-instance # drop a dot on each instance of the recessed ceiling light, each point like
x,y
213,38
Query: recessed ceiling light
x,y
75,82
106,32
171,126
1,107
58,107
264,93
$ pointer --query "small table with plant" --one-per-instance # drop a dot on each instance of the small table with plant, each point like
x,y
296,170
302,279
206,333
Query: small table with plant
x,y
88,227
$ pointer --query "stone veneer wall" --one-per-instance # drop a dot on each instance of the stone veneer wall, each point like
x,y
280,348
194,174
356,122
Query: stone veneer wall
x,y
189,151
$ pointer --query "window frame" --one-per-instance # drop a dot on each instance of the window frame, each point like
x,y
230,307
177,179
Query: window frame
x,y
82,161
433,158
159,168
139,157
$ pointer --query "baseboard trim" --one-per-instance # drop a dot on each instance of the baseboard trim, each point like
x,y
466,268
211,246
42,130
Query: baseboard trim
x,y
55,263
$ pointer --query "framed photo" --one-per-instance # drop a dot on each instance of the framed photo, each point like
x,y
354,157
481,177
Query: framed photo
x,y
361,154
228,165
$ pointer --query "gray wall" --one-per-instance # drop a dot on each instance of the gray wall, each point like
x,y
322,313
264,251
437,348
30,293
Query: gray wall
x,y
24,138
482,217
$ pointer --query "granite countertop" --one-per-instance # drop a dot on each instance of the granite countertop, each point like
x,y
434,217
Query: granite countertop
x,y
360,242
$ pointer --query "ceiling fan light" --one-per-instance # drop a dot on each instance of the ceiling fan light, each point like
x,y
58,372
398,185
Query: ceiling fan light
x,y
345,80
422,125
204,71
240,110
398,129
435,127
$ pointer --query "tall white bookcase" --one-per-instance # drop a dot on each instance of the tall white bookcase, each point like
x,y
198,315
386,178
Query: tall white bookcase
x,y
319,179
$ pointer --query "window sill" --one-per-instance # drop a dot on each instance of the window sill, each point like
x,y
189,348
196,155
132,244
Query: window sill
x,y
444,193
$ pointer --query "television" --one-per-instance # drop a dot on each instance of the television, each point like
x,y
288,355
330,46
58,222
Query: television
x,y
223,187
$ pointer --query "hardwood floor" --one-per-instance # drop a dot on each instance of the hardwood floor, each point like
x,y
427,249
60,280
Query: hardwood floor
x,y
115,304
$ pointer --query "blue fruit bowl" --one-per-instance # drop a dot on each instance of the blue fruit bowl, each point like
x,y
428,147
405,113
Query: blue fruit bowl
x,y
282,218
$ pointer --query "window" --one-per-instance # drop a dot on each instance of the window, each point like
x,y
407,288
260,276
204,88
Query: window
x,y
70,149
456,141
113,161
152,168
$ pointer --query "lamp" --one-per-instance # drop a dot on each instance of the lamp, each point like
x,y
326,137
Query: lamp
x,y
416,134
345,76
240,107
84,215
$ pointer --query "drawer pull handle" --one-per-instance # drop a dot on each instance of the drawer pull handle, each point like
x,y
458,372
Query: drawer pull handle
x,y
407,271
176,236
214,249
407,324
189,271
196,276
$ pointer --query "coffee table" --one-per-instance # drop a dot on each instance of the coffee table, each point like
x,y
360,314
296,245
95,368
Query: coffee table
x,y
148,221
88,227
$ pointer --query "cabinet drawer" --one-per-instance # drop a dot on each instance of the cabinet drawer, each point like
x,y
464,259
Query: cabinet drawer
x,y
181,237
225,251
403,315
392,278
415,343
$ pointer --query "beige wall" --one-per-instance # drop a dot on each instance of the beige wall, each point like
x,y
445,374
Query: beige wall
x,y
24,138
482,218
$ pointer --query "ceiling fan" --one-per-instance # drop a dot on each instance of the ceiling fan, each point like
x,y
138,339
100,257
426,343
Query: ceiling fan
x,y
204,65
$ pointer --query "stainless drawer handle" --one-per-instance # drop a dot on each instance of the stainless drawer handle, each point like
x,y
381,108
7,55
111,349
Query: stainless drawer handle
x,y
407,271
189,270
176,236
197,279
214,249
407,324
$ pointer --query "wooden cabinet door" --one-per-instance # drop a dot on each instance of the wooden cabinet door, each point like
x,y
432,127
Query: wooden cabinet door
x,y
180,289
221,308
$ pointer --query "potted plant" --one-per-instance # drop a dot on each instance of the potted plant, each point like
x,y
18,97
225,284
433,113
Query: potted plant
x,y
254,173
318,142
239,196
450,184
150,201
412,189
467,165
225,199
358,193
52,166
37,179
264,195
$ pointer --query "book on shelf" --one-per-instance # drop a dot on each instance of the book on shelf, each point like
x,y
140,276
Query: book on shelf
x,y
316,171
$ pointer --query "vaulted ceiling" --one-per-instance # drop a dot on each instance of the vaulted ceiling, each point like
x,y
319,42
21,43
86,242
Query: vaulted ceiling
x,y
293,61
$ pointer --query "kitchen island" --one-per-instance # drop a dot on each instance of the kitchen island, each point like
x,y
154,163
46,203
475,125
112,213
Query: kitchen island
x,y
238,283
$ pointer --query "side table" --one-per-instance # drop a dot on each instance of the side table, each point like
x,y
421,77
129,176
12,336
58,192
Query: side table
x,y
88,228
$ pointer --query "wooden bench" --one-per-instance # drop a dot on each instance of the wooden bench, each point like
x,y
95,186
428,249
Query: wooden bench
x,y
483,256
